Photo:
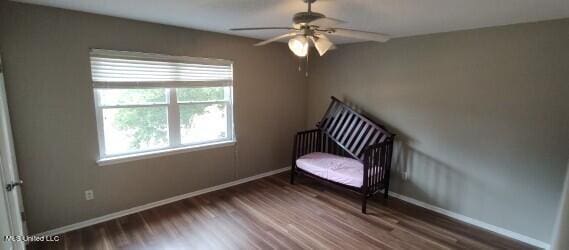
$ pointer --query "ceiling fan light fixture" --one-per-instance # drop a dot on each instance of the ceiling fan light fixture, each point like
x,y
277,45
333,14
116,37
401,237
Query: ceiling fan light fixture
x,y
322,44
299,46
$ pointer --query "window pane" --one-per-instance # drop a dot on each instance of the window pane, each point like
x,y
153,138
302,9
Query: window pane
x,y
135,129
112,97
203,122
202,94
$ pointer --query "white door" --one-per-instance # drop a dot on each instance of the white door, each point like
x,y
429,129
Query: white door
x,y
11,208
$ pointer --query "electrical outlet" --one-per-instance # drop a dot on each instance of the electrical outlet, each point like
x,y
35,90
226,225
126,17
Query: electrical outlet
x,y
89,195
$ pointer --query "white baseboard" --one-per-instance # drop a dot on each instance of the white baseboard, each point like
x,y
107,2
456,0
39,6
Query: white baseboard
x,y
133,210
474,222
439,210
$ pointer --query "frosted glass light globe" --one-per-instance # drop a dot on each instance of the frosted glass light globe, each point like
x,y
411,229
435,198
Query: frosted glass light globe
x,y
299,46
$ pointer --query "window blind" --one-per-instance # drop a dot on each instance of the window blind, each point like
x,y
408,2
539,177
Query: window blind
x,y
121,69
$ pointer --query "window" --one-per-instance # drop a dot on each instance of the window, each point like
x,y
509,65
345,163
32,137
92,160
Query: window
x,y
148,103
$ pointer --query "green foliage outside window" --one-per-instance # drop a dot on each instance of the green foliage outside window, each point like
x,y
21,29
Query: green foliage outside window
x,y
150,124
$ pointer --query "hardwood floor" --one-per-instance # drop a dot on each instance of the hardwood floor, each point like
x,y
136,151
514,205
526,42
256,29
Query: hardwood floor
x,y
272,214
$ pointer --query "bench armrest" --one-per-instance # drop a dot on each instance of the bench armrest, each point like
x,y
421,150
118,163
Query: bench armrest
x,y
377,165
306,142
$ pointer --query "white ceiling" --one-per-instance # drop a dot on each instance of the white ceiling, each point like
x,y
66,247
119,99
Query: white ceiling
x,y
397,18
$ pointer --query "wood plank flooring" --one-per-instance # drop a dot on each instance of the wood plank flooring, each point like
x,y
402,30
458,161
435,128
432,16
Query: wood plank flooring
x,y
272,214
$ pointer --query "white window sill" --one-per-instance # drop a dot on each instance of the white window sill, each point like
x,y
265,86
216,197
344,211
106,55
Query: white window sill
x,y
159,153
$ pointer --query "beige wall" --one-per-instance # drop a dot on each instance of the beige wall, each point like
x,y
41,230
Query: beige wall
x,y
482,116
45,53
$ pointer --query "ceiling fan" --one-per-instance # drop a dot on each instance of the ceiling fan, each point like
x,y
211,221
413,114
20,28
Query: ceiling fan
x,y
314,27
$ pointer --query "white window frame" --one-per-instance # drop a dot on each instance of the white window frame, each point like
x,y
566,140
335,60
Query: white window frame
x,y
173,111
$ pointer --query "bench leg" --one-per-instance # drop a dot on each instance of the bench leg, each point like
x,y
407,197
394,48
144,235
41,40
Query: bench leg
x,y
292,173
386,191
364,204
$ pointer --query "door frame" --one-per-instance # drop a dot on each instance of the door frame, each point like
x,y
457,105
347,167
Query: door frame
x,y
9,170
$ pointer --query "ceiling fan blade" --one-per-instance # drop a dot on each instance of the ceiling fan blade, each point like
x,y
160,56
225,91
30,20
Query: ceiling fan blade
x,y
363,35
263,28
322,44
327,22
276,38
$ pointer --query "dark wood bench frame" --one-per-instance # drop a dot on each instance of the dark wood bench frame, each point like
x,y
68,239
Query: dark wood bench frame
x,y
345,132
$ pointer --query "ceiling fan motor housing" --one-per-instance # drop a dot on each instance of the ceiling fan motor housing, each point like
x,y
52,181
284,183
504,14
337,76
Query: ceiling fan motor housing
x,y
306,17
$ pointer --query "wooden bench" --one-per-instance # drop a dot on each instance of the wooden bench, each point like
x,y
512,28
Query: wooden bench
x,y
346,149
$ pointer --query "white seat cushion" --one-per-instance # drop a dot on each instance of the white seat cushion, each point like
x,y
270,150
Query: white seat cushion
x,y
333,167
